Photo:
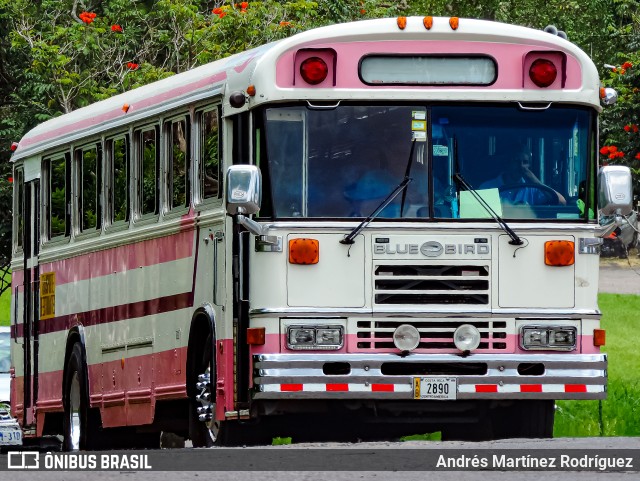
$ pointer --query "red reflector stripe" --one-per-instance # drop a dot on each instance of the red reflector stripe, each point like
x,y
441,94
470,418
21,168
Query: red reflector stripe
x,y
486,388
531,388
337,387
290,387
382,387
575,388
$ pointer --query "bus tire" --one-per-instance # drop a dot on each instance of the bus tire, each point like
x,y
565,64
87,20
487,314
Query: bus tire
x,y
213,432
79,423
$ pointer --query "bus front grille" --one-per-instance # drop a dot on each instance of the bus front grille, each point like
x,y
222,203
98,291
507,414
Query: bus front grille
x,y
431,284
436,335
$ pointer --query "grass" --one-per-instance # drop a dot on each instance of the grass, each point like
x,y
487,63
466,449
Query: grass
x,y
5,305
621,410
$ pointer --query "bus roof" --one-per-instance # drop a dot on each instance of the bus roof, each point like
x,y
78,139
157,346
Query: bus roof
x,y
272,68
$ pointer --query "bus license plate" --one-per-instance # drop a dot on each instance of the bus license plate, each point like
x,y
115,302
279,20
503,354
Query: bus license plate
x,y
442,388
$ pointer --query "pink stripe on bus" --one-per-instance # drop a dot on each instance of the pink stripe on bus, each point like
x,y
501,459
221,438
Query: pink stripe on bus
x,y
123,258
117,111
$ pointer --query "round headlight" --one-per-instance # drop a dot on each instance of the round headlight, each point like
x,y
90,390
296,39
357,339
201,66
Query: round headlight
x,y
466,337
406,337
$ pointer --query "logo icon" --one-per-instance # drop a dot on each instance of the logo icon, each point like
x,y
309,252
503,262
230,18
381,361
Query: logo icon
x,y
23,460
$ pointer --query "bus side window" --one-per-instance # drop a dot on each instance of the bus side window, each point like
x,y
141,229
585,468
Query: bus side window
x,y
88,162
18,226
118,175
178,162
148,157
209,149
57,214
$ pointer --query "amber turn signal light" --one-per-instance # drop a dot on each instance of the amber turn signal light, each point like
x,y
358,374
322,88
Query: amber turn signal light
x,y
599,337
402,23
427,22
304,251
454,22
255,336
559,253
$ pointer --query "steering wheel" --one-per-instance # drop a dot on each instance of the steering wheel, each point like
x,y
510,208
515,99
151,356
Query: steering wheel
x,y
543,195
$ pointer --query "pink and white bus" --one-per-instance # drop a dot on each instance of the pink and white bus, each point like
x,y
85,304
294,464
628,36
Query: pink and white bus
x,y
390,221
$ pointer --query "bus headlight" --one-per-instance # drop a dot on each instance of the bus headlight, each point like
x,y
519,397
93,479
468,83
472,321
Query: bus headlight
x,y
406,337
466,337
556,338
314,337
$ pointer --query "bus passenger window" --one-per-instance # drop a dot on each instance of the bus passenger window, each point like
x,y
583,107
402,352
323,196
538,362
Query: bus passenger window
x,y
119,176
89,178
209,157
19,207
178,164
57,197
148,172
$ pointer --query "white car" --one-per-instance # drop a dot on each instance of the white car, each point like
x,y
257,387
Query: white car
x,y
10,432
5,363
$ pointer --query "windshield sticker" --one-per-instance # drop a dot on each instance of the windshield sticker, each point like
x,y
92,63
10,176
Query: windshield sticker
x,y
419,125
419,136
441,150
419,115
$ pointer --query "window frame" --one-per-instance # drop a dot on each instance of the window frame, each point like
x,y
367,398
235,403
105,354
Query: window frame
x,y
18,209
46,197
137,158
78,195
167,176
109,176
198,190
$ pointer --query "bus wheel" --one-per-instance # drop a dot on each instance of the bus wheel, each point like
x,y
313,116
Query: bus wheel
x,y
204,430
77,418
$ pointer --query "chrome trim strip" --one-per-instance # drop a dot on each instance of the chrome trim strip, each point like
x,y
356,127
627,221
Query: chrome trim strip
x,y
528,314
450,227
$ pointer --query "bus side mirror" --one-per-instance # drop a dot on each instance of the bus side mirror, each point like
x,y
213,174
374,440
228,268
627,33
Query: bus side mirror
x,y
244,189
615,194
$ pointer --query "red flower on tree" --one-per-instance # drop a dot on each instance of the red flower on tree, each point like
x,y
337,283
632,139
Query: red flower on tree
x,y
132,66
627,128
638,156
217,11
604,150
244,5
627,65
116,28
634,127
87,17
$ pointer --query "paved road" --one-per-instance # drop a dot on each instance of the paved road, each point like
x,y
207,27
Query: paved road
x,y
619,279
375,456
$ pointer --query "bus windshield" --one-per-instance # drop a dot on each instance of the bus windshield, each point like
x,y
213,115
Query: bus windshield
x,y
342,162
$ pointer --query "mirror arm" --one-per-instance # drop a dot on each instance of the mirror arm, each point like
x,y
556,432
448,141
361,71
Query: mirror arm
x,y
251,225
606,230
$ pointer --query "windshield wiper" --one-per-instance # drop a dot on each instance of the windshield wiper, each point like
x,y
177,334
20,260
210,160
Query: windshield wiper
x,y
352,235
348,240
515,240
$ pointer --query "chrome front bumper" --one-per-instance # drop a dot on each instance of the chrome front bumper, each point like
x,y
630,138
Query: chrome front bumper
x,y
302,376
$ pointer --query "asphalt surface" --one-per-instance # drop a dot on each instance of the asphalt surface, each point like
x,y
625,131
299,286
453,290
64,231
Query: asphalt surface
x,y
619,279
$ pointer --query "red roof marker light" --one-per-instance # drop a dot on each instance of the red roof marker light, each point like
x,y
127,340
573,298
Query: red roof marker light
x,y
314,70
543,72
